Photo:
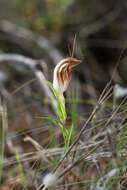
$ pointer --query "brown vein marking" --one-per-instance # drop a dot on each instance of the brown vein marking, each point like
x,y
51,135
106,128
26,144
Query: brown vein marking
x,y
60,74
65,73
69,71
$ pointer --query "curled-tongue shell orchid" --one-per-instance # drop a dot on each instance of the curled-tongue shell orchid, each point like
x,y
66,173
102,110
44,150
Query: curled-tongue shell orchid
x,y
63,72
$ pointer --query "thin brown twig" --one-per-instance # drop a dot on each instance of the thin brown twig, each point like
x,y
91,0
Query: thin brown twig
x,y
106,96
22,86
115,111
76,162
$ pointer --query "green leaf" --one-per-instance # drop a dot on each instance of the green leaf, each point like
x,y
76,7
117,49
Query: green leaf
x,y
61,110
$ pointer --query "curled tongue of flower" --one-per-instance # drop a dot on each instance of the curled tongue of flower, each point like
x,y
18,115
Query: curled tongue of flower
x,y
63,72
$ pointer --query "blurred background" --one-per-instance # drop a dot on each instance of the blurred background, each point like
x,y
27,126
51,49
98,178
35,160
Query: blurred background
x,y
43,30
100,26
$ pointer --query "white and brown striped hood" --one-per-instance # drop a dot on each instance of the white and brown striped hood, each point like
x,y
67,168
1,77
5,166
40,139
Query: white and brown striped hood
x,y
63,72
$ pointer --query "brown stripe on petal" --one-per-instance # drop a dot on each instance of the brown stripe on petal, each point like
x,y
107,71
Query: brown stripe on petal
x,y
68,72
67,75
60,75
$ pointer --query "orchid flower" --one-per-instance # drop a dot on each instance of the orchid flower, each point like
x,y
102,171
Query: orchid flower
x,y
61,78
63,72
